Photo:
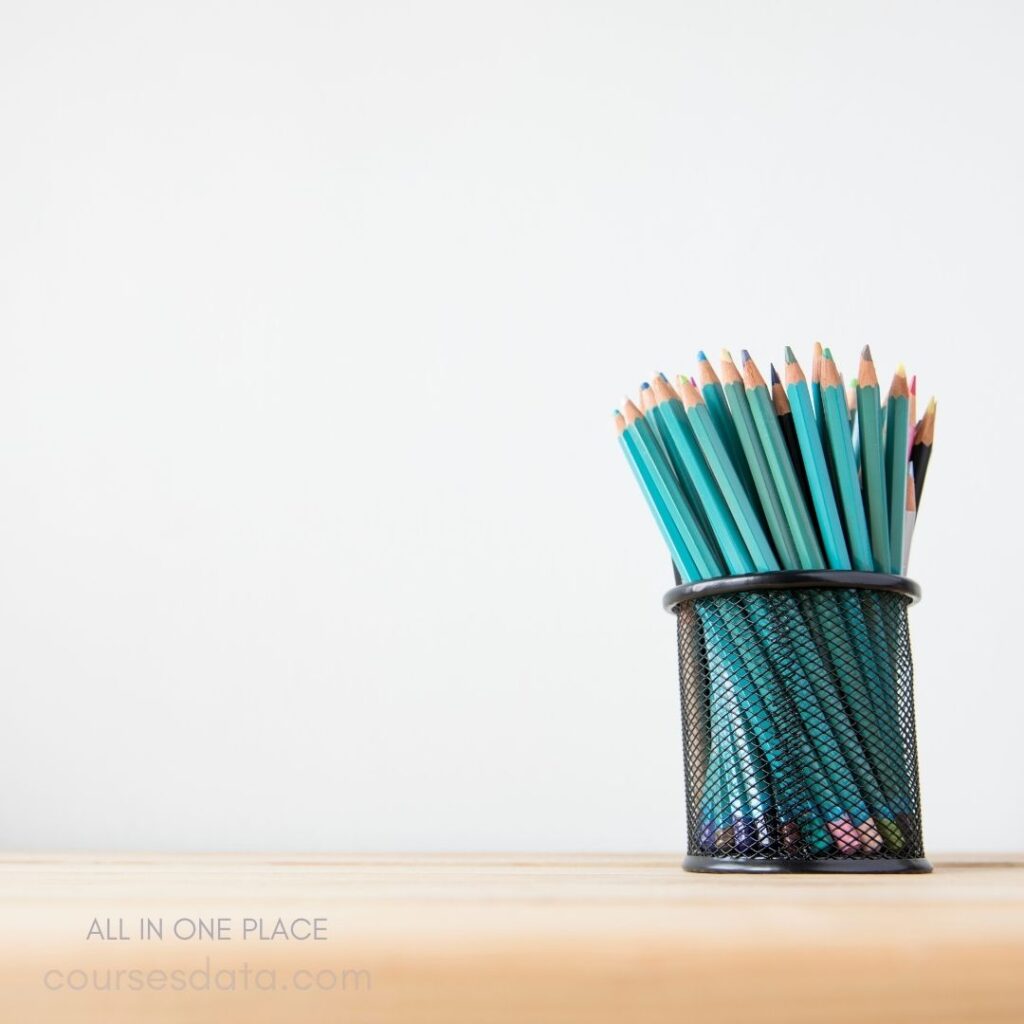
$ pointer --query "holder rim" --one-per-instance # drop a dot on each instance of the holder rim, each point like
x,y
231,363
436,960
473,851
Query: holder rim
x,y
799,579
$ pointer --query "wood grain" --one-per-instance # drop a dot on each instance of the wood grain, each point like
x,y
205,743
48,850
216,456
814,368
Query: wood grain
x,y
451,938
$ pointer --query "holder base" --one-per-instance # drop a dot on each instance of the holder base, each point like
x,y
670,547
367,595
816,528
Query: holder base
x,y
883,866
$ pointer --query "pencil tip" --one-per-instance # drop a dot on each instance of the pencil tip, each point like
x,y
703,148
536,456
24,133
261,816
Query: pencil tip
x,y
726,355
662,376
790,358
826,353
744,356
701,358
644,386
913,384
775,375
615,412
901,370
865,353
817,348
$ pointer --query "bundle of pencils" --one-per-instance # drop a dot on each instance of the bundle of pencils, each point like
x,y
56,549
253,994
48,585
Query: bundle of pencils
x,y
745,477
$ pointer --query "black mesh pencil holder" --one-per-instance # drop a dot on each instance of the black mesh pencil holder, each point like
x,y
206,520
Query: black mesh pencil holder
x,y
798,723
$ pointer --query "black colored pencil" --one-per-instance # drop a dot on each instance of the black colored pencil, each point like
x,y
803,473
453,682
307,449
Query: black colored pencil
x,y
788,428
921,452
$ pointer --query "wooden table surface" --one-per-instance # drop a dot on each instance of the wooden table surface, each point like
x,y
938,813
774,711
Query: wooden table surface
x,y
452,938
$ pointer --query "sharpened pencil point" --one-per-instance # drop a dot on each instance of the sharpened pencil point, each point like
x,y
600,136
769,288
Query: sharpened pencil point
x,y
701,358
662,376
826,353
744,356
615,412
901,371
913,384
726,355
865,352
776,379
644,386
790,358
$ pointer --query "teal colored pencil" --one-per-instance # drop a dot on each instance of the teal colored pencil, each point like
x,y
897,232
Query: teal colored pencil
x,y
714,398
869,763
651,478
897,413
818,478
804,792
728,518
682,515
767,494
797,516
719,461
822,730
756,786
803,532
659,420
869,424
680,436
841,446
816,400
823,749
659,510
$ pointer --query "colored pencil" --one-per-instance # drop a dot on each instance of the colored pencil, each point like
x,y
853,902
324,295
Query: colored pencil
x,y
841,447
699,561
664,412
784,412
781,465
816,400
714,398
832,736
921,453
767,493
738,501
829,525
897,409
912,414
869,423
830,740
910,521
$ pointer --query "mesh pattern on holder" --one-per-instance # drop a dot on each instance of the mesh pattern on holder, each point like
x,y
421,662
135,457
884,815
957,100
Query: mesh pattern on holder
x,y
798,726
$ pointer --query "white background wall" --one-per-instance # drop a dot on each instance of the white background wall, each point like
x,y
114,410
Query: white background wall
x,y
313,528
